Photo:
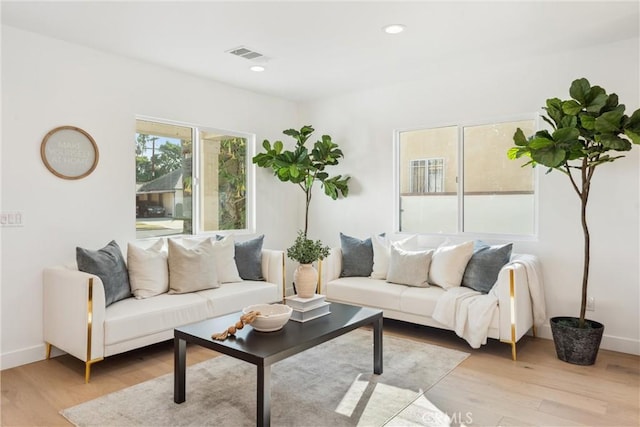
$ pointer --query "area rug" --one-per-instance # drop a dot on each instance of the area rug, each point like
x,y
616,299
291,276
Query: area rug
x,y
329,385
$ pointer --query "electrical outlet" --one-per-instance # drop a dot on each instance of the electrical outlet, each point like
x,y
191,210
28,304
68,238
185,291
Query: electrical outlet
x,y
591,304
11,219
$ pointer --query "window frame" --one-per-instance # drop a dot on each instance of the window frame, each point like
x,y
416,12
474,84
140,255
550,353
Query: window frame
x,y
196,220
460,125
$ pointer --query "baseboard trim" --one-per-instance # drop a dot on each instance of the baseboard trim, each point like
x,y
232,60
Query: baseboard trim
x,y
25,356
609,342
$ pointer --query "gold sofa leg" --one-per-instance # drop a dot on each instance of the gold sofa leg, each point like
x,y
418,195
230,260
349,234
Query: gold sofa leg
x,y
87,369
48,350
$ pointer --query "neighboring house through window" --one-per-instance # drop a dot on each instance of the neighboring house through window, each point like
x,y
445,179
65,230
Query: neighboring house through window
x,y
458,179
190,179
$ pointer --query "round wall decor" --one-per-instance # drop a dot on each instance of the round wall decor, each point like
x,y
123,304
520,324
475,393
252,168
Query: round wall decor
x,y
69,152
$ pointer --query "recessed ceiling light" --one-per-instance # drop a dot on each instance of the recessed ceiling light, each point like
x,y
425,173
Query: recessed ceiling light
x,y
257,68
394,29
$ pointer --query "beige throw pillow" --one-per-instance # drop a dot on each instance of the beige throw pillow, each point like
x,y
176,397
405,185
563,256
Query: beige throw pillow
x,y
409,267
192,269
382,253
225,251
148,270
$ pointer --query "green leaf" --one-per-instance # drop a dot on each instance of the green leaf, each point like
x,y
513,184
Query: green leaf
x,y
266,145
609,122
614,142
551,156
571,107
537,143
278,146
635,137
516,152
566,135
554,109
579,90
587,121
598,102
569,122
519,138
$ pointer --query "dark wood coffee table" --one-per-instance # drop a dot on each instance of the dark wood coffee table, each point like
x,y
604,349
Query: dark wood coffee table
x,y
263,349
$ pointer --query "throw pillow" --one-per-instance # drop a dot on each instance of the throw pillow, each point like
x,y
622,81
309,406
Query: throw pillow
x,y
382,252
448,264
148,270
485,264
108,264
357,256
409,267
249,258
226,260
192,269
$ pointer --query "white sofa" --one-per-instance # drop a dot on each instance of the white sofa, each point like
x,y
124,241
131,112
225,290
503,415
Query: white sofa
x,y
512,318
77,321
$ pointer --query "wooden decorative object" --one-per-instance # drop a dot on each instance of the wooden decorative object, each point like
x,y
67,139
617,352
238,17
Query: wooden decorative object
x,y
69,152
245,319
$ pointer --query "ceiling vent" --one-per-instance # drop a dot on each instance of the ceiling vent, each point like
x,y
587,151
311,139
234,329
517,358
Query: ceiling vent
x,y
246,53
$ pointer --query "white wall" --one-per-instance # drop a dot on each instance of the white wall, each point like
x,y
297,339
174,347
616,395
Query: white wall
x,y
363,124
48,83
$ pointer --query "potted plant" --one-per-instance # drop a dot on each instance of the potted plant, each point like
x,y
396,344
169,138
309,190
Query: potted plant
x,y
304,168
306,251
584,131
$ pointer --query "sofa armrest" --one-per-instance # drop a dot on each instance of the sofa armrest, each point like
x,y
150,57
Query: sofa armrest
x,y
514,302
74,312
330,268
273,267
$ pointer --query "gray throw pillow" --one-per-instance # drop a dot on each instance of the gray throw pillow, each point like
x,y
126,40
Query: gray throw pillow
x,y
485,264
249,258
108,264
357,256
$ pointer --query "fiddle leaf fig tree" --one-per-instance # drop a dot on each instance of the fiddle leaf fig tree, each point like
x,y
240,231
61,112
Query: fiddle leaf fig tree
x,y
587,131
303,167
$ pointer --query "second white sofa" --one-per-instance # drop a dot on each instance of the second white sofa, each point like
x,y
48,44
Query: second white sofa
x,y
520,302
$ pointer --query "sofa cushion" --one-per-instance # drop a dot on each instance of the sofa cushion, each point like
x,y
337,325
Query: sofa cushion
x,y
148,269
357,256
132,318
249,258
448,264
108,264
420,301
192,269
230,297
485,264
365,291
409,267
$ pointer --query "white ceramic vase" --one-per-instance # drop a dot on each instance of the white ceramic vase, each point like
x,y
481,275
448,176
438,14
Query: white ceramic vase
x,y
306,279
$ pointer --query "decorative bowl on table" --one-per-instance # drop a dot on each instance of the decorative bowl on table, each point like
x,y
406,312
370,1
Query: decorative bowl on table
x,y
272,317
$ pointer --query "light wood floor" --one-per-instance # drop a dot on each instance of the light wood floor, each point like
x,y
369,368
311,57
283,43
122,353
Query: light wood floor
x,y
487,389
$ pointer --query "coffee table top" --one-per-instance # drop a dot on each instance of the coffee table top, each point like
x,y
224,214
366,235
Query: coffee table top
x,y
269,347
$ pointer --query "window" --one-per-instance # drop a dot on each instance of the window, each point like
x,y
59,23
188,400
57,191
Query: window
x,y
190,180
458,179
427,176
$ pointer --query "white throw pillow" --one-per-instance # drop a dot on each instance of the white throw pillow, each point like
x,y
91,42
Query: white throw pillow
x,y
382,252
148,270
448,264
225,251
409,267
192,269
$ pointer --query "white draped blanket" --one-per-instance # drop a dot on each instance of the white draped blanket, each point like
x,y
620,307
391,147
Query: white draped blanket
x,y
469,312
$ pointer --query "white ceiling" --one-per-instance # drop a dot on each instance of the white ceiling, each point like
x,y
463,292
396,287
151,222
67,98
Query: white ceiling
x,y
324,48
